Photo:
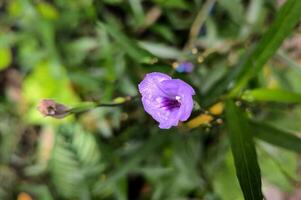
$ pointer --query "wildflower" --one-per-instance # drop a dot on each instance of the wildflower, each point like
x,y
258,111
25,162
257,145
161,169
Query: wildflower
x,y
167,100
184,67
51,108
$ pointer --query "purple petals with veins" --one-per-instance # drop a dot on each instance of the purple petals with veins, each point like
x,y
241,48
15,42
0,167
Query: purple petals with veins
x,y
167,100
168,103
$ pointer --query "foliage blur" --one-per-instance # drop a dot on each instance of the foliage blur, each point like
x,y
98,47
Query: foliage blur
x,y
85,50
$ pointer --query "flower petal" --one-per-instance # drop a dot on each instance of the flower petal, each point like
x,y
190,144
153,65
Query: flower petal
x,y
176,87
171,121
153,107
186,108
150,86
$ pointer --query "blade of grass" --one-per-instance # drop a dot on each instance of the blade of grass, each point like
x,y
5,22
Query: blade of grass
x,y
257,55
244,153
286,19
289,61
198,22
277,137
271,95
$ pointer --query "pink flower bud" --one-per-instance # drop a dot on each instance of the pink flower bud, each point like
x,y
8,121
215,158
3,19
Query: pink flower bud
x,y
48,107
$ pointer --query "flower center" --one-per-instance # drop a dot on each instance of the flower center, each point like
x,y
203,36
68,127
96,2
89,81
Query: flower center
x,y
170,103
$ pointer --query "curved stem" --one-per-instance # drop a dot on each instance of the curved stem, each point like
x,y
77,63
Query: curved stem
x,y
199,22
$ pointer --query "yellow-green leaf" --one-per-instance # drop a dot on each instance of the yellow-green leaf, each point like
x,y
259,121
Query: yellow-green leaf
x,y
5,58
271,95
48,80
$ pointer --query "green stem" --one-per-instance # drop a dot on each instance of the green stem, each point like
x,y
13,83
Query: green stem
x,y
86,106
199,22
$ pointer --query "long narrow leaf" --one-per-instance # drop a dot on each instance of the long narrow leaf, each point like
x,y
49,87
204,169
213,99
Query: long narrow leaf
x,y
255,58
131,47
286,19
244,153
276,136
263,94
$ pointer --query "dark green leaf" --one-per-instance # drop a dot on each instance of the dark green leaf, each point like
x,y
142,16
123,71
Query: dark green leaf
x,y
276,136
136,158
244,153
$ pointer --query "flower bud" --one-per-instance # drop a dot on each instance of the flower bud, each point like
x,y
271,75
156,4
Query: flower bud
x,y
48,107
184,67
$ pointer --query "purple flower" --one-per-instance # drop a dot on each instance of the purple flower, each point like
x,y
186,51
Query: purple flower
x,y
167,100
184,67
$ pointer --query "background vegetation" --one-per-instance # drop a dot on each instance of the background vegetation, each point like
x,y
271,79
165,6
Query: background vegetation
x,y
247,58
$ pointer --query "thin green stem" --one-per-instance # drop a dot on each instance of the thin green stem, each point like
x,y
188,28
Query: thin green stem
x,y
86,106
199,22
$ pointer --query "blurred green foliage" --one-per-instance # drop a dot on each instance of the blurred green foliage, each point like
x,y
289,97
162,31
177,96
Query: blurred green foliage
x,y
98,50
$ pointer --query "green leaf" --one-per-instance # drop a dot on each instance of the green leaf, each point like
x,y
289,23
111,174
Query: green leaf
x,y
275,136
160,50
113,1
47,11
48,80
146,149
244,153
294,65
137,9
40,191
224,181
287,17
229,6
75,162
5,58
254,59
273,95
125,43
278,167
180,4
